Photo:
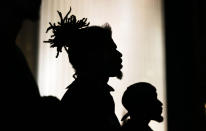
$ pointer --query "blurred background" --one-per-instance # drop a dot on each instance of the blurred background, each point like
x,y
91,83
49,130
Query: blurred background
x,y
162,42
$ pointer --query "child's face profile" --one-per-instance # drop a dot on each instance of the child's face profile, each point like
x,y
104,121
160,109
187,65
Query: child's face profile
x,y
155,110
140,99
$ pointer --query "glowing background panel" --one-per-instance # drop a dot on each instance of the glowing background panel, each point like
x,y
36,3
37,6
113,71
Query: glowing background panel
x,y
138,32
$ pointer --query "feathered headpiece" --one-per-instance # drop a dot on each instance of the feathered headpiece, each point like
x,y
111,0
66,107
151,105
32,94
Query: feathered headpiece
x,y
63,31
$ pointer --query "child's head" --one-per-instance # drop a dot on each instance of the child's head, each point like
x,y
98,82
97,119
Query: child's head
x,y
140,99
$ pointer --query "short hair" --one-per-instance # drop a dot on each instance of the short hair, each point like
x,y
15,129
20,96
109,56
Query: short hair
x,y
140,93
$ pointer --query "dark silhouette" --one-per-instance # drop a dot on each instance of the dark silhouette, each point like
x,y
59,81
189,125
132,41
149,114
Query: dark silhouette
x,y
140,100
22,105
19,93
93,54
185,38
50,112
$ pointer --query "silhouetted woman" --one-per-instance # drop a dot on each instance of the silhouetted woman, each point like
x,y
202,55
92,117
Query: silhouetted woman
x,y
140,100
93,54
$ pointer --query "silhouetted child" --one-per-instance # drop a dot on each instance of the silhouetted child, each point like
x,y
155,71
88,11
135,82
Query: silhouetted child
x,y
88,104
140,100
50,112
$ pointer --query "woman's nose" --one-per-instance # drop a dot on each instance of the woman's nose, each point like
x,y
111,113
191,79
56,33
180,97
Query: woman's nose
x,y
160,102
119,54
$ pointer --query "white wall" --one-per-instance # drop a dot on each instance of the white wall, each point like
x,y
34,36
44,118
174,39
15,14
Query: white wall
x,y
138,32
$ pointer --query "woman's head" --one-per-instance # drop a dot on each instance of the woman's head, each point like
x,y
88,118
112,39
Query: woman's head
x,y
90,48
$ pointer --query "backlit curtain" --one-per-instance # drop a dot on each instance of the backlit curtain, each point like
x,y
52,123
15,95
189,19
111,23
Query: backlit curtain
x,y
138,32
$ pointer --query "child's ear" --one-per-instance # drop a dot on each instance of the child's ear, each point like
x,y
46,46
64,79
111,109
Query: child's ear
x,y
125,117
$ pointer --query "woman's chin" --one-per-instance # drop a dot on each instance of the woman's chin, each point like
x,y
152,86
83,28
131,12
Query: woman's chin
x,y
159,119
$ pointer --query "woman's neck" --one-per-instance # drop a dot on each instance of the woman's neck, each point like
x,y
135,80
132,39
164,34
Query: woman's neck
x,y
140,120
93,77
